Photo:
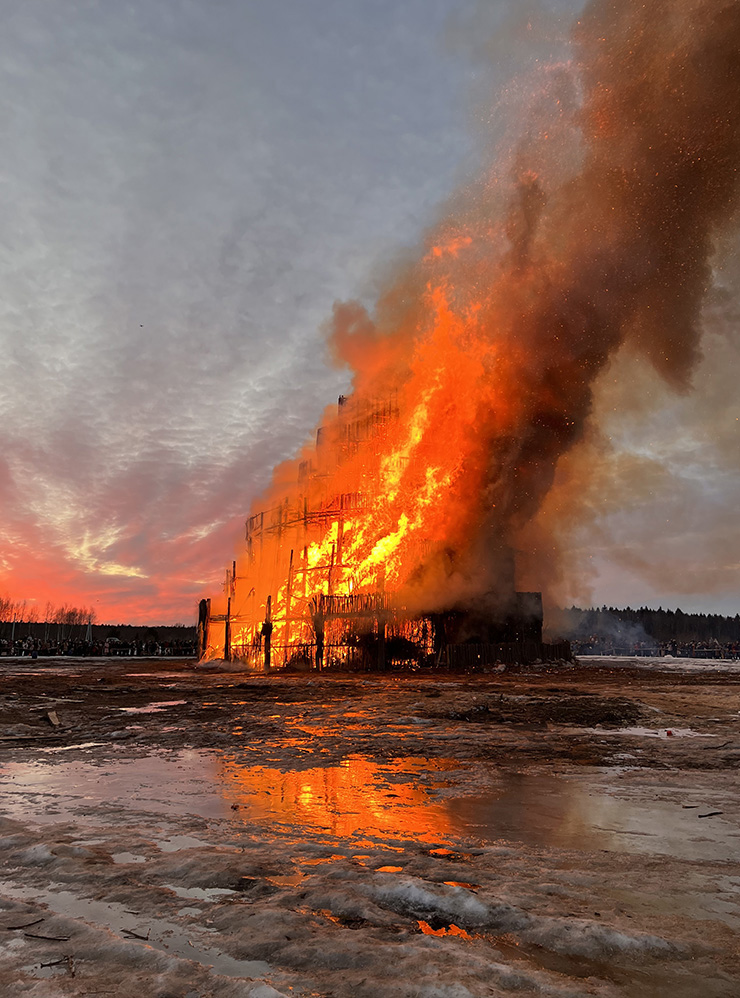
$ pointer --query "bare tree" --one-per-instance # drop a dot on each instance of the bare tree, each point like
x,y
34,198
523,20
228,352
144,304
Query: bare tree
x,y
60,618
48,617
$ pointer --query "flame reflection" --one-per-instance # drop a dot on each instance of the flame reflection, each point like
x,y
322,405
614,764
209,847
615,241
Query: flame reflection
x,y
358,796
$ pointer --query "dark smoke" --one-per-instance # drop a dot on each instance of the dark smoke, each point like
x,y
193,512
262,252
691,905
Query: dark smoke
x,y
564,270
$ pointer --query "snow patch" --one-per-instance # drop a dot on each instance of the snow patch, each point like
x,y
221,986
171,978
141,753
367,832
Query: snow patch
x,y
36,855
578,937
409,896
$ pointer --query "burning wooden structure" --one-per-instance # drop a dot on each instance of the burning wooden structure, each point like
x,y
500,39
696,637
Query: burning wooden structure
x,y
307,594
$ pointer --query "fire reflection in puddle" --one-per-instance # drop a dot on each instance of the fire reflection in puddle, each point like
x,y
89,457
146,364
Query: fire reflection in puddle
x,y
286,879
449,930
371,801
355,795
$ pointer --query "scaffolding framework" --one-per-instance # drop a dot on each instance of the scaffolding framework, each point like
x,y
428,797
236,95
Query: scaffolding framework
x,y
294,599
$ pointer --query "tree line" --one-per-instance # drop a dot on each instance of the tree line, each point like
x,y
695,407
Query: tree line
x,y
662,626
60,622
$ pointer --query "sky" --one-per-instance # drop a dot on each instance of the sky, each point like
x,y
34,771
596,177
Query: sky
x,y
186,189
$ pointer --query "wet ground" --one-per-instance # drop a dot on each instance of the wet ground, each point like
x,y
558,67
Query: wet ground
x,y
179,832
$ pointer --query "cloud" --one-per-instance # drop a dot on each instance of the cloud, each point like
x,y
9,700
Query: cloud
x,y
185,189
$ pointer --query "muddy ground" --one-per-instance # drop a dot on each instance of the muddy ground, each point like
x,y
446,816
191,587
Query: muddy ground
x,y
561,831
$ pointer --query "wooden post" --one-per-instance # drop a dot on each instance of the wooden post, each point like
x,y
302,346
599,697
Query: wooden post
x,y
204,620
319,629
288,593
227,631
381,618
267,633
381,640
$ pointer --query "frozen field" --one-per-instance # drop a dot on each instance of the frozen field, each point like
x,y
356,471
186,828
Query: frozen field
x,y
190,834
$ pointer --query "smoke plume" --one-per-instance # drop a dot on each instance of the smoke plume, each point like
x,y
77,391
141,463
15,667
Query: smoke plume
x,y
594,230
545,278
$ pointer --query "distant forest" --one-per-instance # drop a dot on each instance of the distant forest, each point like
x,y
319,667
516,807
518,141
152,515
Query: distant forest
x,y
99,633
661,626
73,623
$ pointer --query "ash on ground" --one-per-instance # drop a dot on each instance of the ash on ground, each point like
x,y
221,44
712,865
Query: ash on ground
x,y
564,831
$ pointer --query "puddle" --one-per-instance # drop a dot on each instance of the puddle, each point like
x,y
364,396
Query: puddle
x,y
152,708
600,812
200,893
287,879
160,934
320,860
61,967
666,663
127,857
45,671
177,842
68,748
648,732
406,798
155,674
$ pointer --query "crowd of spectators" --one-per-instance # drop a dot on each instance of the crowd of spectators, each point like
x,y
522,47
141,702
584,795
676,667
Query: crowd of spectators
x,y
108,647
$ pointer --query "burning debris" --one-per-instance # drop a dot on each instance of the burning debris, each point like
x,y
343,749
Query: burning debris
x,y
475,374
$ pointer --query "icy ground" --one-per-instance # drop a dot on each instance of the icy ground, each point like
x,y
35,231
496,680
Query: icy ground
x,y
565,831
